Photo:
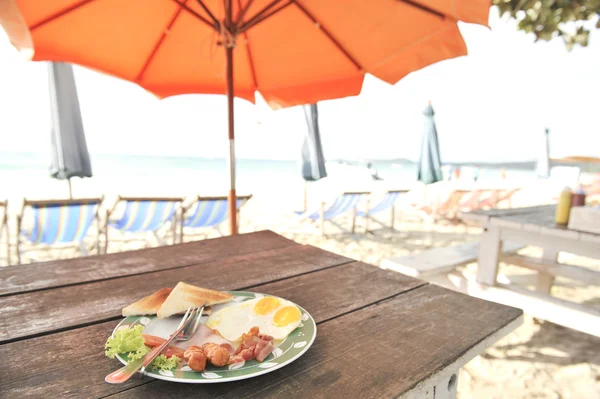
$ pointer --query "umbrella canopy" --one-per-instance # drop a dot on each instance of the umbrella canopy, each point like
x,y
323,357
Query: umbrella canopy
x,y
542,168
430,163
69,155
292,51
313,160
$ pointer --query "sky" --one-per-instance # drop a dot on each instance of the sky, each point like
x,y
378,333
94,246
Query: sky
x,y
491,105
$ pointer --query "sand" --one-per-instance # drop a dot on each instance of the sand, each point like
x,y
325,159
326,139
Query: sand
x,y
538,360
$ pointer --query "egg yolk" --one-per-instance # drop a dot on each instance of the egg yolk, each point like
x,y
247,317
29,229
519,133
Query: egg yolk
x,y
266,305
286,315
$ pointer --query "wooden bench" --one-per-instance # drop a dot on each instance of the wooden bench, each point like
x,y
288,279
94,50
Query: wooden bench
x,y
440,260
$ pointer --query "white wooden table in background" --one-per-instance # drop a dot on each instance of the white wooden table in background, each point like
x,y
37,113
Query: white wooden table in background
x,y
535,226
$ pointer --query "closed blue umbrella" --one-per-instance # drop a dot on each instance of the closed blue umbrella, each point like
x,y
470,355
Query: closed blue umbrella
x,y
69,153
430,163
313,160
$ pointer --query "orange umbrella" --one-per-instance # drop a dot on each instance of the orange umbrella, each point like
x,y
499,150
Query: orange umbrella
x,y
292,51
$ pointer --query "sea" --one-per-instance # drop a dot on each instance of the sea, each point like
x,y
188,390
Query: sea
x,y
27,175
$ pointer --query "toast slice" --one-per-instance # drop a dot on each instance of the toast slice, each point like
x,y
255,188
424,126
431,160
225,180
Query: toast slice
x,y
185,295
148,305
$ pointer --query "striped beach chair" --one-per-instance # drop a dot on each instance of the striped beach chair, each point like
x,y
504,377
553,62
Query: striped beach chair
x,y
386,203
58,222
4,228
347,202
143,215
208,212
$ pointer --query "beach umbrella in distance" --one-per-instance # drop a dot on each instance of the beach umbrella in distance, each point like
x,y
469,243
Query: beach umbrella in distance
x,y
542,168
430,163
69,153
313,160
293,51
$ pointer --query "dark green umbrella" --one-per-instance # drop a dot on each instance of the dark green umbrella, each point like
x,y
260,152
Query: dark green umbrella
x,y
430,163
69,155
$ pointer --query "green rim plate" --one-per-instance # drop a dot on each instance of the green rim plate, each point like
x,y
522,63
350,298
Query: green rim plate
x,y
290,349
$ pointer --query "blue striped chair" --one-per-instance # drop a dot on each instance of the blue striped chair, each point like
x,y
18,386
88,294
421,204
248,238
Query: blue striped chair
x,y
4,227
347,202
58,222
208,212
144,214
386,203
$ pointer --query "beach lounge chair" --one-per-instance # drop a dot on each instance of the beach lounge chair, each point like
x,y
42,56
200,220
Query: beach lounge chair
x,y
498,197
58,222
4,228
208,212
143,215
347,202
386,203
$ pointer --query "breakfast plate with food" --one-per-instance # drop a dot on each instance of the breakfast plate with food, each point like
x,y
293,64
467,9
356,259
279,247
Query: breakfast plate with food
x,y
239,334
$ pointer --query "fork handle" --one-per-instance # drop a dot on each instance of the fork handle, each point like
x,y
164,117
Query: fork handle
x,y
125,373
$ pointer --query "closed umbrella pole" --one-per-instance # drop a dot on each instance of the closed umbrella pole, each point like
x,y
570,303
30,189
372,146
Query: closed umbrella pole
x,y
69,153
313,160
543,162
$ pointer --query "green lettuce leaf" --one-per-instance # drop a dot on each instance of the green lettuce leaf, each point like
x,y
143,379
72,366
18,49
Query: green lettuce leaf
x,y
127,340
162,362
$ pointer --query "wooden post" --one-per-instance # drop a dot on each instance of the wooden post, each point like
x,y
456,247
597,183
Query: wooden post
x,y
367,216
353,219
305,196
174,226
322,217
18,244
393,216
106,232
545,280
99,229
489,254
7,234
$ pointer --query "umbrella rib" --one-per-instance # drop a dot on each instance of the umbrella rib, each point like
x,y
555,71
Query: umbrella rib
x,y
243,11
259,15
423,8
329,35
250,59
59,14
158,43
256,21
210,14
195,14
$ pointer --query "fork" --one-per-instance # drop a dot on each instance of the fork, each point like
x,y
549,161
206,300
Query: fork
x,y
186,329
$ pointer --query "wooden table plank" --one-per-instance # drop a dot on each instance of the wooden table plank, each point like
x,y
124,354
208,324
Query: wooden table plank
x,y
23,278
380,351
63,360
41,312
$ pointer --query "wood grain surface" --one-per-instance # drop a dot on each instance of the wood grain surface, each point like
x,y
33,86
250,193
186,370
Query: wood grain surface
x,y
380,333
63,360
382,351
23,278
35,313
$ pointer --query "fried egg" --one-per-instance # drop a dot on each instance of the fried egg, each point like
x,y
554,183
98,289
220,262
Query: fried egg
x,y
273,316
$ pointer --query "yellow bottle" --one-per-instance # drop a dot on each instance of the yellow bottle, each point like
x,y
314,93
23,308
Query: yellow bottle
x,y
563,208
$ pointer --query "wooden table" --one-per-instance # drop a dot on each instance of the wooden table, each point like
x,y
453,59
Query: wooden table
x,y
535,226
380,334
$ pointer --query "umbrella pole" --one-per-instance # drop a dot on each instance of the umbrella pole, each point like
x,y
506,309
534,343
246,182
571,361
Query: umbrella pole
x,y
70,188
233,227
